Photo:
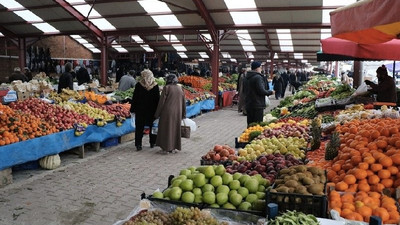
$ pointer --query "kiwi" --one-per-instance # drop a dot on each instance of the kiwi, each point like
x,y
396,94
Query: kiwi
x,y
307,181
300,168
284,171
315,188
283,189
291,183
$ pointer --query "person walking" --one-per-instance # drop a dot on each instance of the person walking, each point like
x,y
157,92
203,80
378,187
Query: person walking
x,y
171,110
292,81
254,88
285,78
278,83
241,92
144,104
66,79
127,81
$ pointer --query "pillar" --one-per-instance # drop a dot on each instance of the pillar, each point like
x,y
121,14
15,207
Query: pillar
x,y
215,70
103,62
21,52
357,75
336,69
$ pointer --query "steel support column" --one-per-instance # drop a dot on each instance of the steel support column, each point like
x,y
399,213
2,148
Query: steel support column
x,y
215,70
104,62
357,74
21,53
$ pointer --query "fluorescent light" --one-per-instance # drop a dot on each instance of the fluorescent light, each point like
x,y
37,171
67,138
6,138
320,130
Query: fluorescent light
x,y
276,56
102,24
167,21
137,39
45,27
298,55
154,6
1,34
147,48
285,61
170,38
246,17
235,4
233,60
304,61
204,55
200,60
28,16
182,55
11,4
179,47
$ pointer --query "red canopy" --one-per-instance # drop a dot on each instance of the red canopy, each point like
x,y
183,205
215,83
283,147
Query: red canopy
x,y
385,51
367,22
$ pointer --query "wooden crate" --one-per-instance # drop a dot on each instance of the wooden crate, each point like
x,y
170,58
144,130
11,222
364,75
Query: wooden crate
x,y
127,137
5,177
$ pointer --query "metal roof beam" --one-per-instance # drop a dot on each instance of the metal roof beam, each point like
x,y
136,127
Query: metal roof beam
x,y
207,18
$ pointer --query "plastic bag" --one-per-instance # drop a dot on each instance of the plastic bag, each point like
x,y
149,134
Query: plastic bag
x,y
133,120
361,90
154,129
190,123
267,102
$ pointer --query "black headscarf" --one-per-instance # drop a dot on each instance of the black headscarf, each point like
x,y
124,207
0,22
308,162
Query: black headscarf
x,y
172,79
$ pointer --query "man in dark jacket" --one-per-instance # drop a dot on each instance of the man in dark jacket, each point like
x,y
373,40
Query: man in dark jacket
x,y
285,78
66,80
17,75
82,75
386,88
254,87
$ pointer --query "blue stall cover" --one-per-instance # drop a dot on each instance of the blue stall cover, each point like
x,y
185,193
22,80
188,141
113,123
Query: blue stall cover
x,y
192,110
208,104
39,147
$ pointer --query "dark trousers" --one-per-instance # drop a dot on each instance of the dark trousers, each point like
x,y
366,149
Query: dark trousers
x,y
140,122
277,94
254,115
284,90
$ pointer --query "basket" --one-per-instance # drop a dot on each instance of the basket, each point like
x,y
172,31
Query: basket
x,y
240,144
309,204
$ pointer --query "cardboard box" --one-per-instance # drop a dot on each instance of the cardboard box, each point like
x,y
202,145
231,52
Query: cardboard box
x,y
22,95
127,137
5,177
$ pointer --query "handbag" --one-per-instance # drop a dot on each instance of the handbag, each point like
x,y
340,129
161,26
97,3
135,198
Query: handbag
x,y
185,130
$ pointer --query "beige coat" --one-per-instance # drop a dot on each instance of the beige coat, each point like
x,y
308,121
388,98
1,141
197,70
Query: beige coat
x,y
171,110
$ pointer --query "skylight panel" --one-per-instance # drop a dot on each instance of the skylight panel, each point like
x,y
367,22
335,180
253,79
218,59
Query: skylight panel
x,y
285,61
204,55
45,27
326,18
88,45
268,60
171,38
249,48
81,40
179,47
325,33
225,55
167,21
245,18
121,50
207,36
233,60
1,34
28,16
235,4
147,48
154,6
200,60
182,55
11,4
74,36
304,61
298,55
103,24
118,47
287,48
137,39
85,9
276,56
75,1
285,40
250,55
95,50
337,2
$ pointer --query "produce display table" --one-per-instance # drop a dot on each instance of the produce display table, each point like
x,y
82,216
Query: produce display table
x,y
195,109
39,147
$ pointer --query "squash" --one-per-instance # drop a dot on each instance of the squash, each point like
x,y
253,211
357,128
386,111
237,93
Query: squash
x,y
50,162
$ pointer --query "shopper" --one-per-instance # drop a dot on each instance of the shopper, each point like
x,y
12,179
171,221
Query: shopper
x,y
82,75
278,83
241,92
127,81
254,87
28,73
292,82
66,79
17,75
385,89
144,104
171,110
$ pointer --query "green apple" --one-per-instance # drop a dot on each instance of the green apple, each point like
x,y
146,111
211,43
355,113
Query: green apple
x,y
186,185
188,197
222,198
234,185
235,199
216,181
227,178
243,192
175,193
220,170
209,197
199,180
223,189
197,191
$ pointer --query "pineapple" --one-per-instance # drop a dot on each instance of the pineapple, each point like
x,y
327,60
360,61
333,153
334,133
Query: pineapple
x,y
332,147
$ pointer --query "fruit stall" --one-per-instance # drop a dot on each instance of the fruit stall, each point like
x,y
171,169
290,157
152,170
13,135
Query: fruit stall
x,y
302,165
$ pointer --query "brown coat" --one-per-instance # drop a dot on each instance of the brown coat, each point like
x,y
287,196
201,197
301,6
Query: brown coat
x,y
171,109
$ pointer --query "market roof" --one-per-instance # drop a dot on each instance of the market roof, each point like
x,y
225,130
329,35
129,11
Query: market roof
x,y
287,30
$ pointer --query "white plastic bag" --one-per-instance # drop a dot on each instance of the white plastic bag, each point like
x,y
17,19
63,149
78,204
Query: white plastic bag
x,y
190,123
154,129
267,102
361,90
133,120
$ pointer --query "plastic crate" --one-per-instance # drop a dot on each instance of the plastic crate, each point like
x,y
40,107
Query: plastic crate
x,y
240,144
110,142
309,204
31,165
215,162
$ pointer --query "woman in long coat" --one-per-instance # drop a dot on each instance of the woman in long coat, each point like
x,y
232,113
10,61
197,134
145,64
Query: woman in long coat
x,y
144,104
171,110
278,85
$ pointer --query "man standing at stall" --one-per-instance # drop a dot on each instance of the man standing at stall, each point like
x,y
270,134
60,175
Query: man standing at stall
x,y
254,87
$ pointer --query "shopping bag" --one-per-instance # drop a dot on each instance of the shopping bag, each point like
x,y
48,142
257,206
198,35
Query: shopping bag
x,y
361,90
133,120
267,102
185,130
190,123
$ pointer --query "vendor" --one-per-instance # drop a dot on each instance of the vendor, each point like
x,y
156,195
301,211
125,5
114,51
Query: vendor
x,y
386,88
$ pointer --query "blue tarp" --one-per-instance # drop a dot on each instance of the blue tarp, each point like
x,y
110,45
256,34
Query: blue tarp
x,y
192,110
37,148
208,104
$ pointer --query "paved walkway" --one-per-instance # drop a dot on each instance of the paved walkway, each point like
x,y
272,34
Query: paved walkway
x,y
105,186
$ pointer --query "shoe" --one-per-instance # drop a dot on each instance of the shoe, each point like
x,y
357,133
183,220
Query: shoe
x,y
138,148
152,145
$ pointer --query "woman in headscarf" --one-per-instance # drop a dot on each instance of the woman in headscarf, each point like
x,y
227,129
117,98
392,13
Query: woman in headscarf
x,y
171,110
144,104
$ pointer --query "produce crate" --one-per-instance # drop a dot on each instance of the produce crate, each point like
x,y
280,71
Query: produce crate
x,y
309,204
22,95
127,137
215,162
31,165
246,217
240,144
110,142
